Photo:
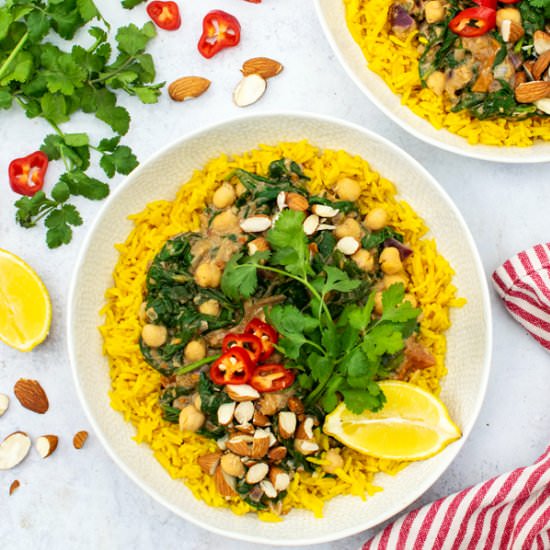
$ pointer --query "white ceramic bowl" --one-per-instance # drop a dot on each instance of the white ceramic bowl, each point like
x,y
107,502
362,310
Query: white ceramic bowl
x,y
469,339
332,16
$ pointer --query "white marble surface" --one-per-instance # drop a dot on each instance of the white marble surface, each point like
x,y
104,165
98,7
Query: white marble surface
x,y
80,499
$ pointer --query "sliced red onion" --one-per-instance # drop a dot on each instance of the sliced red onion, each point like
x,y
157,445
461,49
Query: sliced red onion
x,y
404,251
399,17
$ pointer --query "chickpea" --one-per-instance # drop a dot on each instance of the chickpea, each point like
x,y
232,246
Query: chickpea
x,y
195,350
436,82
154,335
231,464
348,228
400,277
376,219
434,11
411,298
378,307
190,419
347,189
210,307
512,14
226,222
364,259
208,275
390,260
224,196
335,461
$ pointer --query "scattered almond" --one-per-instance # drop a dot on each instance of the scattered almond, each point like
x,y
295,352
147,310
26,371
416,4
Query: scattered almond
x,y
256,224
14,449
241,392
348,245
541,40
277,453
543,105
244,412
31,395
256,473
257,245
79,439
188,87
249,90
260,444
287,424
528,92
209,462
281,200
305,429
268,489
511,31
296,201
295,405
14,486
541,64
240,444
324,211
225,484
311,223
263,66
4,403
225,413
260,419
46,445
306,446
279,478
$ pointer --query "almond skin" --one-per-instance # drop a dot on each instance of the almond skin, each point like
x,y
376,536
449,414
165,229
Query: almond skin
x,y
79,439
188,87
541,64
532,91
263,66
14,486
209,462
31,395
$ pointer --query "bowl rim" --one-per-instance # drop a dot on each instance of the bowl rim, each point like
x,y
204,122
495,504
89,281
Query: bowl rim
x,y
467,150
453,449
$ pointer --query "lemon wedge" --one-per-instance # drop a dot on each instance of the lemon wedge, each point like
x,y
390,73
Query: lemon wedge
x,y
25,306
413,425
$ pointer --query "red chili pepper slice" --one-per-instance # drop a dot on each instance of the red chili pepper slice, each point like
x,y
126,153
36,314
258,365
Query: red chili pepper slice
x,y
219,30
250,343
509,1
166,15
272,377
27,173
233,367
473,21
489,3
266,333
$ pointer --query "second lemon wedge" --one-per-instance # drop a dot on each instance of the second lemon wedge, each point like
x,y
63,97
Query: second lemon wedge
x,y
413,425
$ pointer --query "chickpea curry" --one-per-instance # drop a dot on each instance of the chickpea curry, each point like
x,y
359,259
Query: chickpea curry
x,y
282,305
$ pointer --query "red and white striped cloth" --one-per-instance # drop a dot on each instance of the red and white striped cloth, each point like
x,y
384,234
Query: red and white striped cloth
x,y
523,282
508,512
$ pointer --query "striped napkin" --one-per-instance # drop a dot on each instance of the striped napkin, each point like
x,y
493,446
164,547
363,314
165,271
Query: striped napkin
x,y
510,511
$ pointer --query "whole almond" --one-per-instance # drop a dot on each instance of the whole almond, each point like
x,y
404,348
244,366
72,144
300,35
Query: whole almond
x,y
541,64
188,87
79,439
528,92
14,486
263,66
31,395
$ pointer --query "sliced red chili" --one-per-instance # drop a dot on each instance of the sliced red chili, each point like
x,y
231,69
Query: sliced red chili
x,y
489,3
266,333
250,343
273,377
473,21
27,173
166,15
233,367
219,30
509,1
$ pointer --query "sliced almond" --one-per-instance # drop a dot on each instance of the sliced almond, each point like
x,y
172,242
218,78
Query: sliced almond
x,y
31,395
244,412
245,428
14,449
306,446
311,223
260,444
541,40
222,442
260,419
325,226
277,453
79,439
529,92
46,445
249,90
348,245
256,224
14,486
281,200
263,66
279,478
511,31
268,489
541,64
209,462
240,444
241,392
296,201
287,424
225,484
256,473
257,245
543,105
188,87
324,211
305,429
225,413
4,403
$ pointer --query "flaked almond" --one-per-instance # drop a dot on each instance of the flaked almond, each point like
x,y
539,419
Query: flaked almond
x,y
263,66
541,64
305,429
279,478
295,405
79,439
325,226
260,419
296,201
287,424
257,245
188,87
277,453
268,489
256,224
543,105
14,486
222,442
311,223
249,90
256,473
306,446
541,40
529,92
14,449
272,439
241,392
511,31
240,444
232,465
31,395
281,200
4,403
260,444
209,462
244,412
225,484
225,413
246,428
46,445
348,245
324,211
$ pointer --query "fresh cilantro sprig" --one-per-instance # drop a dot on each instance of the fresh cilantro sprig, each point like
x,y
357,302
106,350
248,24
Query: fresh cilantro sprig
x,y
49,82
337,358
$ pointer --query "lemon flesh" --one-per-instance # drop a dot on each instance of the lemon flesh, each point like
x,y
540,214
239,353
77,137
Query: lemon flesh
x,y
413,425
25,306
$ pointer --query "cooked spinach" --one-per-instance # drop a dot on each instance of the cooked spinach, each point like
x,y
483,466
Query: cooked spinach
x,y
211,398
166,402
376,238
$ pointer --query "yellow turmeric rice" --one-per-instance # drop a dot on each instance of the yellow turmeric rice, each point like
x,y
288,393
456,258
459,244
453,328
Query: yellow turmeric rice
x,y
135,385
396,62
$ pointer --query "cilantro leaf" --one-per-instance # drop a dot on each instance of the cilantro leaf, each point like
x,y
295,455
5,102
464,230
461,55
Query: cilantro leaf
x,y
240,280
59,224
122,160
81,184
129,4
291,324
116,117
133,40
359,400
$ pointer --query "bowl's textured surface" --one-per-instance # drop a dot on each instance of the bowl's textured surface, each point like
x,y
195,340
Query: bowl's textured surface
x,y
333,19
469,339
